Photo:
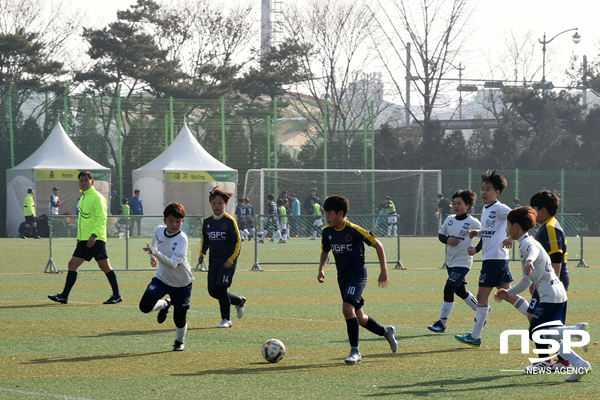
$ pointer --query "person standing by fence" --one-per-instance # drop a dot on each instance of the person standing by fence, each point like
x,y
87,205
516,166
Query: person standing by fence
x,y
54,202
137,209
29,213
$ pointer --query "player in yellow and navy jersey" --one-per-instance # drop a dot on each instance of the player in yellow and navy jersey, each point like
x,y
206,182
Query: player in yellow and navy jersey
x,y
347,242
221,237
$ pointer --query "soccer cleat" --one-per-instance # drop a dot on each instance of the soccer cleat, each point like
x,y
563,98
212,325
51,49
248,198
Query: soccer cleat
x,y
468,339
224,324
114,300
261,241
240,308
583,326
390,334
560,365
354,357
539,367
22,237
162,314
178,346
579,372
37,237
313,238
437,327
58,298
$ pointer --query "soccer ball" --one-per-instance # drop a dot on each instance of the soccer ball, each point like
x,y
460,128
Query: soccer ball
x,y
273,350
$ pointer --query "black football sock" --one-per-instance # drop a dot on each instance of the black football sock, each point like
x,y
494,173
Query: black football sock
x,y
374,327
352,325
542,346
233,299
69,282
112,279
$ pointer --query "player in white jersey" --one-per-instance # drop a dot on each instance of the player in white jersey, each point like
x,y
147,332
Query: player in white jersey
x,y
495,270
455,233
551,310
168,254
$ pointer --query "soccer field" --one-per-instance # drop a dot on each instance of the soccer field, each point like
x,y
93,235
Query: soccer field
x,y
86,350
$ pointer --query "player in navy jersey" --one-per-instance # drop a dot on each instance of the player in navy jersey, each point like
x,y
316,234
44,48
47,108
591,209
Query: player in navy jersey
x,y
551,309
455,234
168,254
552,238
240,213
221,237
495,271
347,241
271,220
249,218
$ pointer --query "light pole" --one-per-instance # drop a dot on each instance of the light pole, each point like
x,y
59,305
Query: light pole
x,y
544,42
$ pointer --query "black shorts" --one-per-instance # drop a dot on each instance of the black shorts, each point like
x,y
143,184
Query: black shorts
x,y
352,288
30,219
250,224
241,225
180,296
218,275
97,252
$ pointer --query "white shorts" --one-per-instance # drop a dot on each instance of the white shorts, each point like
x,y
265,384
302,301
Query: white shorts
x,y
281,225
318,222
392,219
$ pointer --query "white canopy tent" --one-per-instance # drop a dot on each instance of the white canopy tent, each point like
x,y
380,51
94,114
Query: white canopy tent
x,y
56,163
183,173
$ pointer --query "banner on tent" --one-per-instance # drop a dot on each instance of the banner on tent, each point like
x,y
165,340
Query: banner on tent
x,y
68,175
200,176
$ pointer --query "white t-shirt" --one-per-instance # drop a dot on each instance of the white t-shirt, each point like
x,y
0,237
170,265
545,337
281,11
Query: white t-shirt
x,y
171,252
458,256
549,287
493,231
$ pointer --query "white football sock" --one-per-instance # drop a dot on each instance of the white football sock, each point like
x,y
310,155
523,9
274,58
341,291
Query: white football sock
x,y
264,234
395,230
389,230
522,305
314,234
160,305
471,301
181,333
445,314
572,357
480,318
278,234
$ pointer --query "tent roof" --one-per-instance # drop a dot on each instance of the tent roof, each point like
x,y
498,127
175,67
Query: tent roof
x,y
185,154
59,152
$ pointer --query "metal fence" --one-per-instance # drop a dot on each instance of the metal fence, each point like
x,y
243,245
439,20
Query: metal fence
x,y
304,243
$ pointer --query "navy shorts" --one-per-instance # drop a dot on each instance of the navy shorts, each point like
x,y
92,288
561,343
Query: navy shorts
x,y
352,288
241,225
535,297
97,252
494,273
457,276
218,275
547,312
180,296
30,219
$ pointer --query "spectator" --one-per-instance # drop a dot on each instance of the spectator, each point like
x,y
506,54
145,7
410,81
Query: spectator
x,y
296,211
54,202
516,203
137,209
308,205
444,208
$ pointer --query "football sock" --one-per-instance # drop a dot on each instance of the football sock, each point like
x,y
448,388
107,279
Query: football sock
x,y
445,314
480,318
160,305
542,346
264,234
572,357
112,279
234,300
471,301
278,234
180,332
374,326
522,305
352,326
395,230
389,232
69,282
314,234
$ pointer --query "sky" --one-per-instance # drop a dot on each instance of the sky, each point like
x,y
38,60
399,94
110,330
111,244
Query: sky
x,y
487,28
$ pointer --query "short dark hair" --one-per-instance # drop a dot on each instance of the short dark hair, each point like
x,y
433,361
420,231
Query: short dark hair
x,y
468,196
30,190
546,199
292,195
240,199
336,203
174,209
124,200
495,179
218,192
280,202
136,191
270,196
524,216
516,201
441,195
85,173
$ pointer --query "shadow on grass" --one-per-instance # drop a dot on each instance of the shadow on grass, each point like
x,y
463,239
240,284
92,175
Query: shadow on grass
x,y
445,386
264,368
50,360
398,338
28,306
167,329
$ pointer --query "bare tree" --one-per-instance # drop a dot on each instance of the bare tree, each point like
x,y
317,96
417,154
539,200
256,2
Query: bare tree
x,y
434,28
336,65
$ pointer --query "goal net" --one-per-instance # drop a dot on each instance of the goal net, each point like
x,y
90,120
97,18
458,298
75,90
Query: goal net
x,y
414,192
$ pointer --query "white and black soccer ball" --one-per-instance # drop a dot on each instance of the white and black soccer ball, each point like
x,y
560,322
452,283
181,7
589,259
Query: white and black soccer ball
x,y
273,350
